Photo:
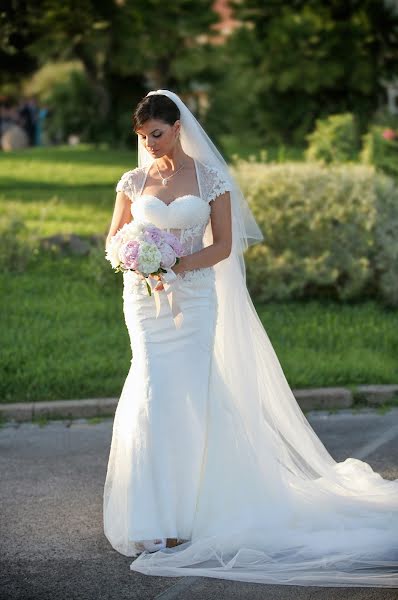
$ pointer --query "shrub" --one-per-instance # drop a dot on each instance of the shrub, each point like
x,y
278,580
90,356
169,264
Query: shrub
x,y
334,139
384,118
329,231
380,148
385,256
73,110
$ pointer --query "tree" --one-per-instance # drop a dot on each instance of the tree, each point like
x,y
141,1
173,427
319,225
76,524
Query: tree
x,y
15,39
122,44
310,58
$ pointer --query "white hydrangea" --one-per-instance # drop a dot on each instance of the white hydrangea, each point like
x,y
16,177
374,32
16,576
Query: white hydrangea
x,y
149,258
132,231
112,252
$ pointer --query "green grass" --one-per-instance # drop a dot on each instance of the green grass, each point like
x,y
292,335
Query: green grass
x,y
325,343
63,333
65,336
66,189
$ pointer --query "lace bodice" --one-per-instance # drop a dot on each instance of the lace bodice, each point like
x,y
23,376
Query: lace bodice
x,y
187,216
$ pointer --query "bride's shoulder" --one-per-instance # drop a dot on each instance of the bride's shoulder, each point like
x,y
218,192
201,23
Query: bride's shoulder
x,y
129,181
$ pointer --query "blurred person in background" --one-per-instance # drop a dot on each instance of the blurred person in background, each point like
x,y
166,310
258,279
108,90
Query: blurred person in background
x,y
29,114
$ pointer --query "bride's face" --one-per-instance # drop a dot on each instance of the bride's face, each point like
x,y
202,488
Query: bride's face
x,y
158,137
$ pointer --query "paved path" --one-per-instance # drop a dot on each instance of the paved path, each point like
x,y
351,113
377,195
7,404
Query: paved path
x,y
52,544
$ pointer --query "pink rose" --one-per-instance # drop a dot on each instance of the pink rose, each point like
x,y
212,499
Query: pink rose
x,y
175,243
128,254
153,235
168,256
389,134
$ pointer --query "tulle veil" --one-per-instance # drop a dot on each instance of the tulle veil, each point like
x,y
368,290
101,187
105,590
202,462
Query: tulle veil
x,y
274,506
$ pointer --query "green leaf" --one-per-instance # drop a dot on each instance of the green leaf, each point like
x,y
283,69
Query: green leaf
x,y
148,288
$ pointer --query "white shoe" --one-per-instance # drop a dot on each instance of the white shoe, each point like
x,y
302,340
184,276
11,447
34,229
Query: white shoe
x,y
152,545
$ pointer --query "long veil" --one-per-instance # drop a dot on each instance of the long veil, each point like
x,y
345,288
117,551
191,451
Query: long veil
x,y
274,506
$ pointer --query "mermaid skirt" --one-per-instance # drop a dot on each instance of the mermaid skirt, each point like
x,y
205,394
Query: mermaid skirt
x,y
159,431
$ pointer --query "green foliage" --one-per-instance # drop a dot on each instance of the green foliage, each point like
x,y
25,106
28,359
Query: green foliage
x,y
334,139
329,232
380,151
385,119
52,74
292,63
234,148
385,256
120,49
73,110
287,65
17,36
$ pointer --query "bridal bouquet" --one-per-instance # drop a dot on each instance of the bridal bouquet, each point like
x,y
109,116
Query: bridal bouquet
x,y
144,249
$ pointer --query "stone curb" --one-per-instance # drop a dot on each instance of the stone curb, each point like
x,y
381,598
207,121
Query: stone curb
x,y
308,399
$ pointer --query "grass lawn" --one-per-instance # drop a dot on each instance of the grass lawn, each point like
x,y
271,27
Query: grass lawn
x,y
65,189
63,333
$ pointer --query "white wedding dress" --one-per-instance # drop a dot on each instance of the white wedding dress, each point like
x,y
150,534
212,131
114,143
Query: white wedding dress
x,y
256,494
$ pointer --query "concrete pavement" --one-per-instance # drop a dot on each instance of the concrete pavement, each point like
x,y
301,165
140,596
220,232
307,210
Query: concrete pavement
x,y
52,544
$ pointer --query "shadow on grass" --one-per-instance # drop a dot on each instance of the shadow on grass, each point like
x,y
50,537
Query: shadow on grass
x,y
15,189
82,154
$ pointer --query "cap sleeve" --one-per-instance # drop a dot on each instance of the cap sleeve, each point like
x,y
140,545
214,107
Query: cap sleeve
x,y
214,183
126,184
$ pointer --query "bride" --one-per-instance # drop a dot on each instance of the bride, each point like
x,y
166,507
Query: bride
x,y
213,468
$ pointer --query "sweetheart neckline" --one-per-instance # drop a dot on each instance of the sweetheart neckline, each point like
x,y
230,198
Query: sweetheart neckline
x,y
172,202
178,197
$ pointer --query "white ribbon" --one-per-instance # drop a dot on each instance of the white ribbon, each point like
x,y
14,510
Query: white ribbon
x,y
169,279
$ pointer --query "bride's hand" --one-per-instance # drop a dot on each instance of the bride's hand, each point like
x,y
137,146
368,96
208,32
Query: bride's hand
x,y
159,286
179,267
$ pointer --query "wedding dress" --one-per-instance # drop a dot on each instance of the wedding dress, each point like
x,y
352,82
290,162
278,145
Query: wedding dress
x,y
209,444
159,437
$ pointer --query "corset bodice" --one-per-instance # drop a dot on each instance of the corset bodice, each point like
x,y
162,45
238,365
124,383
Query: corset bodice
x,y
186,217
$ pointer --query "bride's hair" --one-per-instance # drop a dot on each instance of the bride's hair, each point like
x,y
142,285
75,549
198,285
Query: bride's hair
x,y
155,107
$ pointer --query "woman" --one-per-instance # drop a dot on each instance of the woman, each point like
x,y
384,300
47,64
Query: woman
x,y
209,445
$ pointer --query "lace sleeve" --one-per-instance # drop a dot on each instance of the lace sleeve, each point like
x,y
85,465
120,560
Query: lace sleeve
x,y
214,184
126,184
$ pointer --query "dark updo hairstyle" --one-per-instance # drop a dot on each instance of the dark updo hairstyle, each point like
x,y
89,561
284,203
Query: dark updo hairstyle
x,y
156,106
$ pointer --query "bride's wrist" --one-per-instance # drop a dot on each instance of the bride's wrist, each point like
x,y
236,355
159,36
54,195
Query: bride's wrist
x,y
180,266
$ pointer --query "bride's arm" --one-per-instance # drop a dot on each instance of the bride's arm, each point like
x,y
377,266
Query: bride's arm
x,y
121,214
221,226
